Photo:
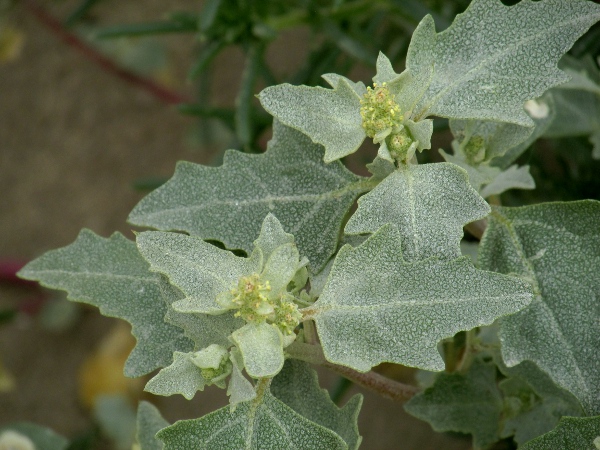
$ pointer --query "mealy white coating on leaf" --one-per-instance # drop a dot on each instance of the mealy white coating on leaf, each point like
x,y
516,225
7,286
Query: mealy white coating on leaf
x,y
429,204
479,175
272,235
264,423
556,247
421,131
239,389
420,61
229,203
376,307
514,177
467,403
386,74
298,387
201,270
533,402
149,422
261,346
572,433
330,117
181,377
204,329
112,275
493,57
333,79
280,268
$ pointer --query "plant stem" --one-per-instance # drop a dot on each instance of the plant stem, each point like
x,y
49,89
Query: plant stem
x,y
469,352
373,381
71,39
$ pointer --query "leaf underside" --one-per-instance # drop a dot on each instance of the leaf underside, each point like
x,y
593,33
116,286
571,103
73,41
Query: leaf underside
x,y
572,433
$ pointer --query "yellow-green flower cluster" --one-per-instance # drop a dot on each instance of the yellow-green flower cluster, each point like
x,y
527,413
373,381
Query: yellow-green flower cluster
x,y
399,144
379,111
251,297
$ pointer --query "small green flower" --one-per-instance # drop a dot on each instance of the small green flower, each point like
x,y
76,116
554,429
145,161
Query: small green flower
x,y
380,113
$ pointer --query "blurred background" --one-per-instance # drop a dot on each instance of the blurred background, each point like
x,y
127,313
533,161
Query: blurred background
x,y
100,99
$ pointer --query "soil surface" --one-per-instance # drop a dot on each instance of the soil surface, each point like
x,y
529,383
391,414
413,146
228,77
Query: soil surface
x,y
73,140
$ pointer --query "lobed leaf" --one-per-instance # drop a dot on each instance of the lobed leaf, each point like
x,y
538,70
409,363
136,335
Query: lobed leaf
x,y
201,270
263,423
556,247
429,204
494,57
229,203
467,403
378,308
572,433
298,387
330,117
181,377
112,275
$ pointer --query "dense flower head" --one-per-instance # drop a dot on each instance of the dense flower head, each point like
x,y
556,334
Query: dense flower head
x,y
379,110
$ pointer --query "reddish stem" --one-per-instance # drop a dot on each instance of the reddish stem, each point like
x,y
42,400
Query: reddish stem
x,y
71,39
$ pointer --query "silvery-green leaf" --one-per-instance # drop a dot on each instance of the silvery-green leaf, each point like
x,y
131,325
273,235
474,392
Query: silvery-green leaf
x,y
555,247
380,168
496,138
467,403
479,175
149,422
421,131
493,57
542,111
272,236
204,329
263,423
298,387
229,203
261,346
333,79
201,270
240,389
420,60
429,204
280,268
181,377
30,436
577,114
514,177
572,433
112,275
330,117
386,74
378,308
533,403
